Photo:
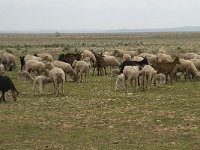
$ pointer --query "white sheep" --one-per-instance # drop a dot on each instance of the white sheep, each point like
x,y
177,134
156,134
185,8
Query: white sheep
x,y
31,57
196,62
159,79
81,67
24,75
57,76
88,53
120,82
45,56
189,56
34,65
162,57
41,81
67,68
8,60
131,74
188,68
126,57
119,53
150,57
2,69
147,73
110,61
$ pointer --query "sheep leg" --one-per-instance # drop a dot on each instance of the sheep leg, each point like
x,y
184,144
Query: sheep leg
x,y
33,88
105,70
3,96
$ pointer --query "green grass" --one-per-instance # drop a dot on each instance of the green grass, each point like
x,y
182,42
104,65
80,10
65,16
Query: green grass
x,y
93,116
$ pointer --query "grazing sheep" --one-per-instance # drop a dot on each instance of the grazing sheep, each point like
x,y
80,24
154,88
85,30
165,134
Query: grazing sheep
x,y
57,76
162,57
22,61
45,57
81,67
41,81
147,73
131,74
31,57
24,75
161,50
6,85
189,56
120,82
87,53
159,79
166,68
8,60
2,69
196,62
34,65
137,58
187,67
67,68
150,57
115,72
119,53
111,61
126,57
70,57
99,64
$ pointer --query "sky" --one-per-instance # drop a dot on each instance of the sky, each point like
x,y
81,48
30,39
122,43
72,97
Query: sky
x,y
58,15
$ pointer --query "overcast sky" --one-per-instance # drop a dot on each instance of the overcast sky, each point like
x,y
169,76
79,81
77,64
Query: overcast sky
x,y
97,14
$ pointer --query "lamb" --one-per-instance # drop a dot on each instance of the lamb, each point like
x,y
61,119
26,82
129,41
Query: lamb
x,y
81,67
24,75
119,53
34,65
87,53
120,82
159,78
130,74
147,73
57,76
166,68
6,85
67,68
2,69
41,81
99,64
188,67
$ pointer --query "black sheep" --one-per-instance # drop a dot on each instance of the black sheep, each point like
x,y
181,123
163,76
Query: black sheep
x,y
6,84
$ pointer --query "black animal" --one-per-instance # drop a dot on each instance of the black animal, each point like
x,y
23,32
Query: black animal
x,y
69,57
133,63
6,84
99,64
22,61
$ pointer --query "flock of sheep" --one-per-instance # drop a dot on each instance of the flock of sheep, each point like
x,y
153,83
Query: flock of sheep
x,y
159,69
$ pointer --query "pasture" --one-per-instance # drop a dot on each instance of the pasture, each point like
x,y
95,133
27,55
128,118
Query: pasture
x,y
92,115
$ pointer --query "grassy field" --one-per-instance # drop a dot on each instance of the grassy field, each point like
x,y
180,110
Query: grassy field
x,y
92,115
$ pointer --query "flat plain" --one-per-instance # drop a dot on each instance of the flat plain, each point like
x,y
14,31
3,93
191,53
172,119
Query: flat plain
x,y
93,115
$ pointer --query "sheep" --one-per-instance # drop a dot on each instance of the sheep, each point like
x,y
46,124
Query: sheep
x,y
24,75
162,57
159,78
137,58
22,61
69,57
196,62
187,67
45,57
189,56
119,53
31,57
115,72
87,53
2,69
8,60
166,68
67,68
150,57
130,74
34,65
161,50
111,61
57,76
41,81
126,57
147,73
6,85
120,82
99,64
81,67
